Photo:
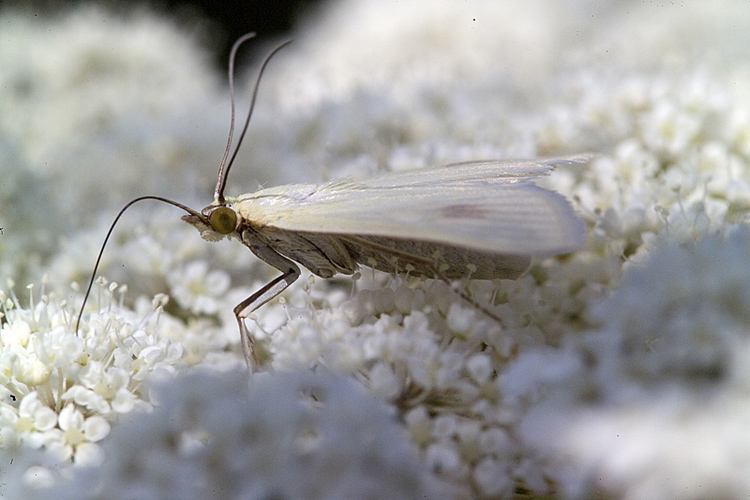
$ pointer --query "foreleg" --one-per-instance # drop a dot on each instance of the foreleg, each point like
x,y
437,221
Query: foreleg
x,y
290,274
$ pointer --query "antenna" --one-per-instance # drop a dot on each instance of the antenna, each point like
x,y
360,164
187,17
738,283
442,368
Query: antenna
x,y
223,172
109,233
221,181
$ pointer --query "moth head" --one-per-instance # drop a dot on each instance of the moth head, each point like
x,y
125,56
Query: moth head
x,y
214,222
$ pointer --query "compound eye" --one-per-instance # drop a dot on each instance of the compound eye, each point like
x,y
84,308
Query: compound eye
x,y
223,220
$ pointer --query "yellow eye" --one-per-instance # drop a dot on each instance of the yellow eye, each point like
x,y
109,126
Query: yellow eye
x,y
223,220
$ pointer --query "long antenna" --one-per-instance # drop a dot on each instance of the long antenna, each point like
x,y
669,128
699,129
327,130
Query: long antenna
x,y
223,172
221,182
218,195
109,233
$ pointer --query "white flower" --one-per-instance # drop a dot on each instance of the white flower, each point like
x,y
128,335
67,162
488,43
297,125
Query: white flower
x,y
492,478
298,436
102,390
147,355
667,367
17,333
196,288
30,421
77,436
38,477
669,131
31,371
85,369
681,316
58,348
479,367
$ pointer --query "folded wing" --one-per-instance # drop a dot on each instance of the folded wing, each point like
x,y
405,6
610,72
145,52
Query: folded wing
x,y
489,206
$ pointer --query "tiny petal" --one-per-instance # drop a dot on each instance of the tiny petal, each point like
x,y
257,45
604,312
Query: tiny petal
x,y
96,429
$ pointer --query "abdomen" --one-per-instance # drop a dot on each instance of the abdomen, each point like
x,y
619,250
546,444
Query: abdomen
x,y
421,258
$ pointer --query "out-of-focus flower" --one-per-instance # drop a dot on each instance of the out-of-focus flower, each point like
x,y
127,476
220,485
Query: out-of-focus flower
x,y
294,435
31,420
195,288
671,356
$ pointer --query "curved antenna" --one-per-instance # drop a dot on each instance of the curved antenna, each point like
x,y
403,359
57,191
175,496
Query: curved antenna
x,y
109,233
221,182
219,196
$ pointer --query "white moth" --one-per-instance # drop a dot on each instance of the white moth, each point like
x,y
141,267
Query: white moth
x,y
480,219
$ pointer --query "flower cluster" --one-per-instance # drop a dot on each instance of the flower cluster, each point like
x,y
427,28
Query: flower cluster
x,y
286,436
61,392
437,361
668,363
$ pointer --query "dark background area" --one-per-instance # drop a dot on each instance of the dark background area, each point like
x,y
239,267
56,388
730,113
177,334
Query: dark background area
x,y
225,20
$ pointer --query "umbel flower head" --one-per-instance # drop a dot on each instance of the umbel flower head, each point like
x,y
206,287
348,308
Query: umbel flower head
x,y
60,391
667,367
219,436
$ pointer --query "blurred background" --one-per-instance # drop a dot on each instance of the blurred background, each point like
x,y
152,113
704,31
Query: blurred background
x,y
226,21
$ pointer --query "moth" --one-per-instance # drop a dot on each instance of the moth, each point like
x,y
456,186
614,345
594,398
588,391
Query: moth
x,y
480,219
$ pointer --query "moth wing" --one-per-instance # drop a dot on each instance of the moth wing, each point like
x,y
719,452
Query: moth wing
x,y
502,213
506,170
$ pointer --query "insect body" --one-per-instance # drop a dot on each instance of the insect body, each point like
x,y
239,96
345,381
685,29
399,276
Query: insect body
x,y
480,216
482,219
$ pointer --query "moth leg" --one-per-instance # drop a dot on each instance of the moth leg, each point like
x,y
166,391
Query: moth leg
x,y
461,293
428,264
290,274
